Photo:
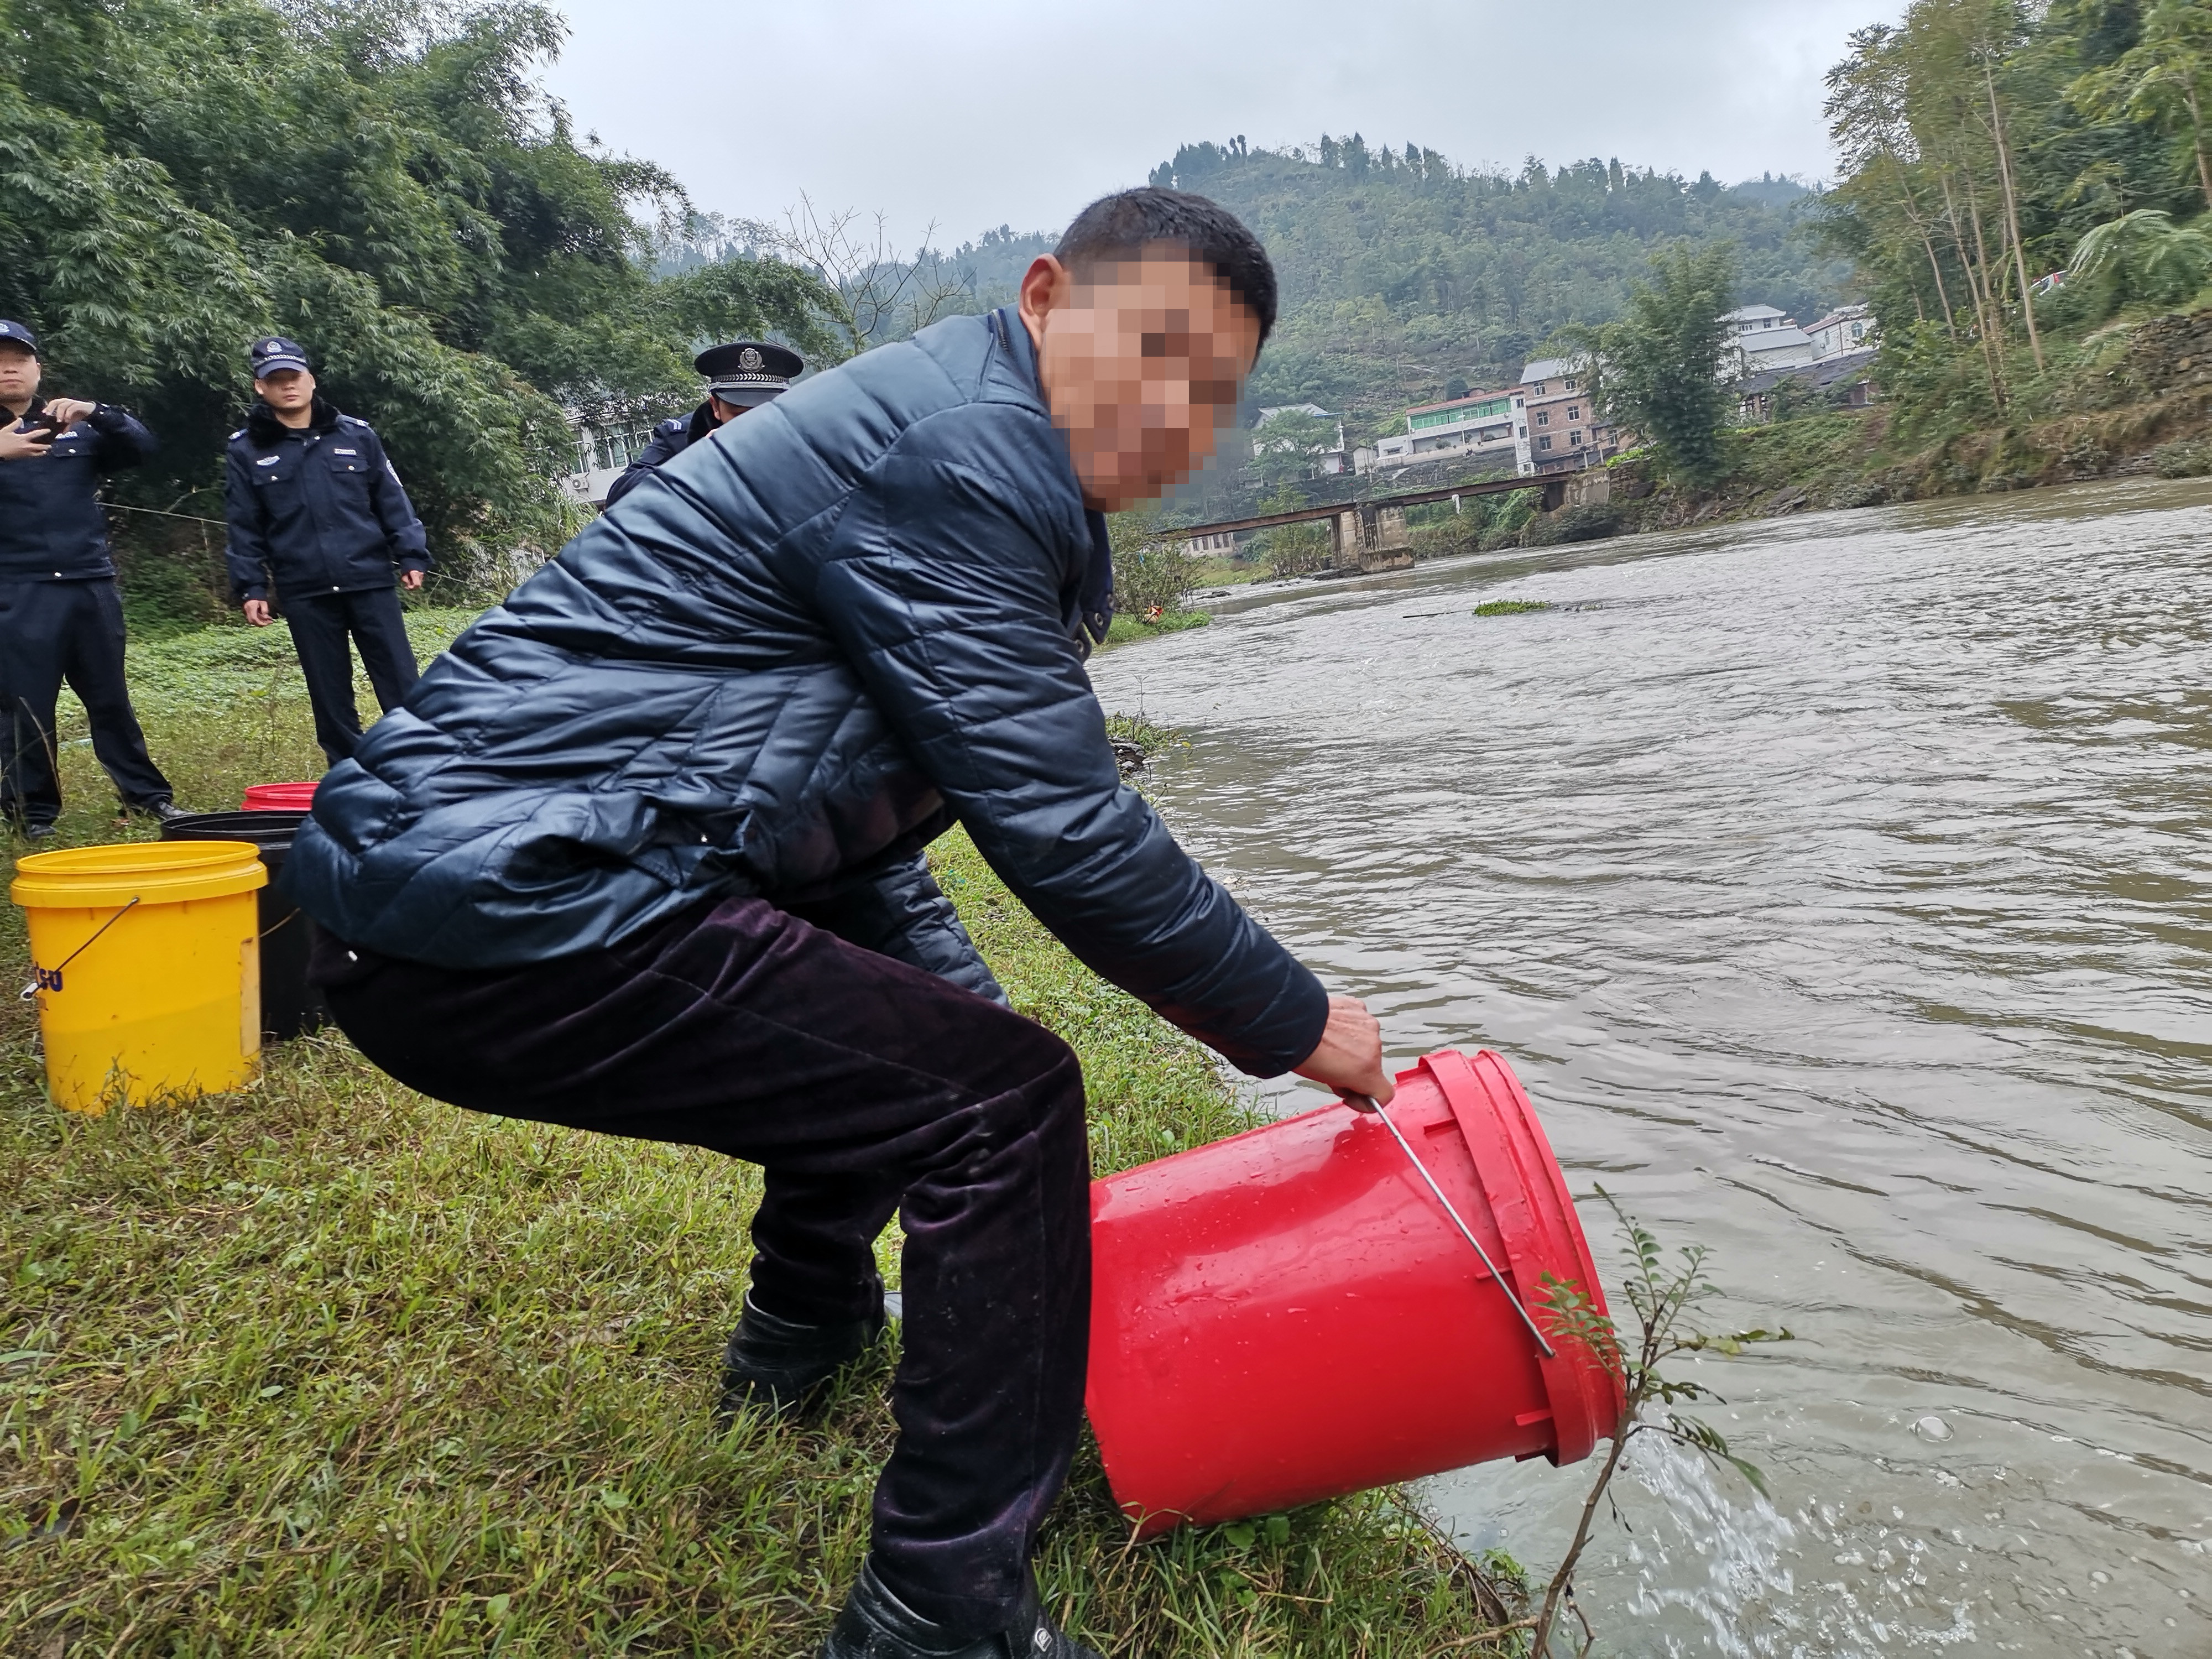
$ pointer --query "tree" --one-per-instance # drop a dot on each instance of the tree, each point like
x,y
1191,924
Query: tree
x,y
1657,370
1982,141
872,296
2165,78
2147,255
383,180
1287,444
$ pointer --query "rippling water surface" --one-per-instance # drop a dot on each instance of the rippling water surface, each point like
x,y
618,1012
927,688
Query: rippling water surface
x,y
1839,887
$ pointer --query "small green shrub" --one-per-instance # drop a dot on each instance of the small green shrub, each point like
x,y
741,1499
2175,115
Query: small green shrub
x,y
1151,576
2189,458
1866,492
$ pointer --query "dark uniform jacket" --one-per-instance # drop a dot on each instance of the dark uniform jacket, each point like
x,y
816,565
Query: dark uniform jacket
x,y
789,658
52,526
670,439
319,510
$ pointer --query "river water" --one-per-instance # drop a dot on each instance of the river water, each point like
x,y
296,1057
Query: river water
x,y
1841,889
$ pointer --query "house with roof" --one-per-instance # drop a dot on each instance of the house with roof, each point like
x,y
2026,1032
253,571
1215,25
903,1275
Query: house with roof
x,y
1844,380
1760,338
1558,429
1847,328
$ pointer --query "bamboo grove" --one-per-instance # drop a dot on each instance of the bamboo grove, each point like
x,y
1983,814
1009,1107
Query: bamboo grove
x,y
2016,177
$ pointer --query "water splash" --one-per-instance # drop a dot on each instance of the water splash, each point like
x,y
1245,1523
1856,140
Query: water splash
x,y
1723,1561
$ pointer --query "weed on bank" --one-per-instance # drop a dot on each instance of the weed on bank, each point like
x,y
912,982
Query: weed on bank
x,y
323,1368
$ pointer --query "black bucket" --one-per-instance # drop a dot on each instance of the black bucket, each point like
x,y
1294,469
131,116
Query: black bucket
x,y
290,1006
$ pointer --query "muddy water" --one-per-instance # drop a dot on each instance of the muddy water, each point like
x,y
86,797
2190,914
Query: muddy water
x,y
1841,889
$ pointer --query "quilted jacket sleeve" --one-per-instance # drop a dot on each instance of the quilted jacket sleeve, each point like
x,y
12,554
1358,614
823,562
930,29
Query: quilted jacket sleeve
x,y
945,594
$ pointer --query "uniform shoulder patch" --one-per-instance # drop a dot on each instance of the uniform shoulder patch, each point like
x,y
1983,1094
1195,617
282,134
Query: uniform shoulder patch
x,y
236,436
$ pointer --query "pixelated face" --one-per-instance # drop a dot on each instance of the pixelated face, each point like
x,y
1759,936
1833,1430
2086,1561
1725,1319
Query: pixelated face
x,y
1143,362
19,372
285,390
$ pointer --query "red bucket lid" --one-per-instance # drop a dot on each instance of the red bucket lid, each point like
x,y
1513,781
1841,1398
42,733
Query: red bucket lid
x,y
279,797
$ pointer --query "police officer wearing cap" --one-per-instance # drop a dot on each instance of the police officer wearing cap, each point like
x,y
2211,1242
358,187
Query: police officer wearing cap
x,y
742,375
61,617
318,515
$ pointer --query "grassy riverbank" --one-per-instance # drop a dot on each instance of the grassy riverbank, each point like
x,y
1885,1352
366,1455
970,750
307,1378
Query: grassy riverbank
x,y
2130,399
324,1368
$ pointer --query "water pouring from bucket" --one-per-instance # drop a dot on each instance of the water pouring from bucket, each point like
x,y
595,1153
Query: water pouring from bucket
x,y
1339,1301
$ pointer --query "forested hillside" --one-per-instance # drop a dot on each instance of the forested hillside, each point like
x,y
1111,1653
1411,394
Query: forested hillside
x,y
1405,275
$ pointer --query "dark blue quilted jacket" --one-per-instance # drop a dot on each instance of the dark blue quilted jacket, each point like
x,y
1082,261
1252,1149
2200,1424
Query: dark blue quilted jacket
x,y
790,657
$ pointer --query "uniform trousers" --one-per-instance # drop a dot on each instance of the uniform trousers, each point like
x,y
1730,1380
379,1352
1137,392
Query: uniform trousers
x,y
321,623
57,631
863,1086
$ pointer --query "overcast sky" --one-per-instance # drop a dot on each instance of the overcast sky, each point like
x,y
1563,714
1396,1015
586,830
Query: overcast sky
x,y
980,112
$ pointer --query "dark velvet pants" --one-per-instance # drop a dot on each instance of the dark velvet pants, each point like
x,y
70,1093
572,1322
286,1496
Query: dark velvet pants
x,y
321,625
51,631
862,1086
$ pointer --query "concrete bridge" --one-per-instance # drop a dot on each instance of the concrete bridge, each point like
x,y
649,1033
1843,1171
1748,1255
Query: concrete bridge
x,y
1371,535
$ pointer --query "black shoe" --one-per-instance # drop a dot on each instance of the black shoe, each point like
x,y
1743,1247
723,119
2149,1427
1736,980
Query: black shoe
x,y
161,811
782,1365
36,831
876,1625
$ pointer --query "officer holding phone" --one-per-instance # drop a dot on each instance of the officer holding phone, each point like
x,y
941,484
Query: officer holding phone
x,y
61,615
319,516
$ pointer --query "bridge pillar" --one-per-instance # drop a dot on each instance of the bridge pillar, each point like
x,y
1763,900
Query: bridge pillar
x,y
1347,539
1592,487
1392,547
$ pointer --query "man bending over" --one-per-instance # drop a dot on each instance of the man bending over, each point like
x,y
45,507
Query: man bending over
x,y
649,839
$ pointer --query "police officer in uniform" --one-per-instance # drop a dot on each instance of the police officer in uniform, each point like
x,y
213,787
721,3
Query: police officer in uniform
x,y
318,513
742,375
61,617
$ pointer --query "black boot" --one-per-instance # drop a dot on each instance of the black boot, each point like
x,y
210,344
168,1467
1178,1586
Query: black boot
x,y
876,1625
782,1364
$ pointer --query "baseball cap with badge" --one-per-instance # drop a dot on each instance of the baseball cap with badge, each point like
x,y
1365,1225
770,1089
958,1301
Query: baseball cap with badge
x,y
21,335
273,352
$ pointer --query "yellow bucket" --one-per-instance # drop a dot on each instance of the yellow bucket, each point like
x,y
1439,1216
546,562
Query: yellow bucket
x,y
149,967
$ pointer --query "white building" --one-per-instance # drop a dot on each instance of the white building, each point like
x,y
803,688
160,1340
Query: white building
x,y
1847,328
1760,339
601,457
1482,424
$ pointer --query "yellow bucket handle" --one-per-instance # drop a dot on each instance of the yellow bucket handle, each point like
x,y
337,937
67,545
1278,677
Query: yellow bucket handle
x,y
36,984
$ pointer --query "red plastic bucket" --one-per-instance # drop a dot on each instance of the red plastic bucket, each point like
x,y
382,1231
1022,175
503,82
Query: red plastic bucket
x,y
1289,1314
279,797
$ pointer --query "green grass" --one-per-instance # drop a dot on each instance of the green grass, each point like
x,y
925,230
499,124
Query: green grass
x,y
1127,628
1510,607
324,1368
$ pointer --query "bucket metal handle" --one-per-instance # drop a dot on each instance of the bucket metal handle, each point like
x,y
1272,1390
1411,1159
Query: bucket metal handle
x,y
1360,1102
32,989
